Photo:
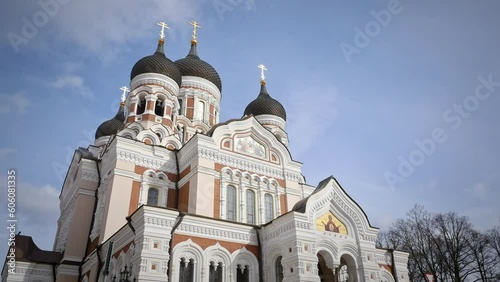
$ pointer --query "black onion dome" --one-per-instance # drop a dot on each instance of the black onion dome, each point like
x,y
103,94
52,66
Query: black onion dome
x,y
265,105
192,65
112,126
157,63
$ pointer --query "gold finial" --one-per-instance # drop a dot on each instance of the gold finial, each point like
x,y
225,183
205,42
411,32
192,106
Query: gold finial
x,y
262,76
125,90
195,25
162,32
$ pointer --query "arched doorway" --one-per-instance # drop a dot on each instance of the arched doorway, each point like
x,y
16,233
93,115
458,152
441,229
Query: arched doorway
x,y
346,272
325,273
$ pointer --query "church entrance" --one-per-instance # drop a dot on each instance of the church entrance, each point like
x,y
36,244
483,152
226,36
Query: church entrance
x,y
325,273
346,272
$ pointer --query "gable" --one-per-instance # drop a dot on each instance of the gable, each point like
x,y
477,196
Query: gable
x,y
247,137
330,199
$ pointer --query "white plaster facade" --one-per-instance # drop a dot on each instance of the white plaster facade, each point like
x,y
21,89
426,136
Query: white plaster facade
x,y
228,200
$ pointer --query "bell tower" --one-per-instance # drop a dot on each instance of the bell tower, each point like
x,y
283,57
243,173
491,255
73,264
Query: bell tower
x,y
268,111
200,93
152,103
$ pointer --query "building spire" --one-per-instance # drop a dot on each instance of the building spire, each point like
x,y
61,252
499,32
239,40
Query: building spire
x,y
195,25
125,91
161,41
162,32
262,76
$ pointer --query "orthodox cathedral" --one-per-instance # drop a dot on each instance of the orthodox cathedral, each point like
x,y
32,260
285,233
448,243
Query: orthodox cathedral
x,y
169,193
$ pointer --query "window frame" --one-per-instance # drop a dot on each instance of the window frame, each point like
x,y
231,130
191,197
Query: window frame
x,y
250,206
151,189
268,207
231,205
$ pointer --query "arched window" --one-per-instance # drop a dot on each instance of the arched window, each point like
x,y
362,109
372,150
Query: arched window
x,y
242,274
159,107
269,207
186,272
153,197
215,272
231,203
278,270
250,207
180,106
201,111
141,105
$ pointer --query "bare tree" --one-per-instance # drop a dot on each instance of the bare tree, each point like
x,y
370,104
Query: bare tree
x,y
446,245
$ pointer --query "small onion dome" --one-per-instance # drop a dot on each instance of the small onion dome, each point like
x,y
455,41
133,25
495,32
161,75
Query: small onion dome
x,y
112,126
265,105
192,65
157,63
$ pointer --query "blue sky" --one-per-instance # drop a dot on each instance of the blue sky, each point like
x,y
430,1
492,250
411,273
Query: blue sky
x,y
357,117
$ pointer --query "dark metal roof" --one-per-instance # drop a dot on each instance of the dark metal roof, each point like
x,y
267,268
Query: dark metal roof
x,y
265,105
112,126
27,250
157,63
300,206
192,65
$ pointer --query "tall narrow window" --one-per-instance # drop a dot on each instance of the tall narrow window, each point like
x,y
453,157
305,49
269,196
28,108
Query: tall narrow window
x,y
186,271
201,111
215,272
153,197
180,106
231,203
278,270
242,274
141,106
159,107
250,207
268,201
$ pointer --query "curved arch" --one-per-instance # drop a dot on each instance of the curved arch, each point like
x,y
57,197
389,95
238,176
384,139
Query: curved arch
x,y
348,248
243,257
187,250
328,249
385,275
217,255
171,139
161,129
148,134
352,265
269,260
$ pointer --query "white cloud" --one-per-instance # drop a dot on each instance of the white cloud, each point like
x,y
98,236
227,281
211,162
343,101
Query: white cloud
x,y
429,186
385,221
479,191
14,103
6,151
309,117
114,23
73,82
37,211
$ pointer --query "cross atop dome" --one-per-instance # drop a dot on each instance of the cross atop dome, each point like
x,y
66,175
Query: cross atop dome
x,y
262,76
162,32
195,25
125,91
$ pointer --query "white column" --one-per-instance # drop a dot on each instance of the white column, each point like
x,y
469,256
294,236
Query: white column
x,y
141,194
243,214
222,199
261,205
278,201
